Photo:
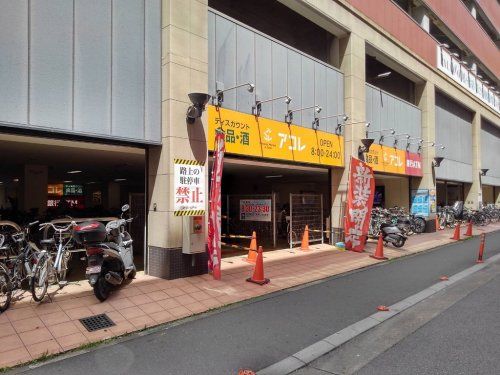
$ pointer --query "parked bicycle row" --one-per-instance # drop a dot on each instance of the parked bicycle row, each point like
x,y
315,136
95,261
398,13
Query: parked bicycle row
x,y
449,216
28,265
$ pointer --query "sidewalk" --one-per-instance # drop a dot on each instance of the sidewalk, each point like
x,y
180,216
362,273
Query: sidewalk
x,y
29,331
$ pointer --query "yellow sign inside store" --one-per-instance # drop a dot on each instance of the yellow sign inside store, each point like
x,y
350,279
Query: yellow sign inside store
x,y
386,159
261,137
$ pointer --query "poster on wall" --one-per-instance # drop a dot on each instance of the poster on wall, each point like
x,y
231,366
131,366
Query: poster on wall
x,y
432,200
255,210
359,205
420,202
189,188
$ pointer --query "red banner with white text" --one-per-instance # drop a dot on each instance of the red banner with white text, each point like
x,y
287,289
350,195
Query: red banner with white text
x,y
214,219
359,205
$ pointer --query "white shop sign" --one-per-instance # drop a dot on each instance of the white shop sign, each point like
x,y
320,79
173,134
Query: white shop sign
x,y
255,210
189,188
452,67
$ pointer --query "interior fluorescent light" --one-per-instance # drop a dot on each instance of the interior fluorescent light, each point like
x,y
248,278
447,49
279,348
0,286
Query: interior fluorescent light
x,y
385,74
91,182
15,180
120,179
67,181
274,176
74,172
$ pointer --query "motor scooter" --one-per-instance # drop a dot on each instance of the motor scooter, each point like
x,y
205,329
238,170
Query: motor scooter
x,y
392,234
109,253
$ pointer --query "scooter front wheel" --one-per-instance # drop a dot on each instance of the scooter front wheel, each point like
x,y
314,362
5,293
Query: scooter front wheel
x,y
400,242
101,289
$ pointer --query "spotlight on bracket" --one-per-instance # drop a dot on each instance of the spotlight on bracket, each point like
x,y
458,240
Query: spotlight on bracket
x,y
484,171
219,95
195,110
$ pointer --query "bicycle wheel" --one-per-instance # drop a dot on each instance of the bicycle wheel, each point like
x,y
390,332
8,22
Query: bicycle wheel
x,y
40,279
5,289
66,257
419,225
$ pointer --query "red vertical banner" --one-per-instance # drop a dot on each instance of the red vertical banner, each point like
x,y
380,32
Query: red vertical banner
x,y
359,205
214,218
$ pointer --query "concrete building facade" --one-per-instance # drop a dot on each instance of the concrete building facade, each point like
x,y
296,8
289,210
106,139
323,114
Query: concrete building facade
x,y
102,87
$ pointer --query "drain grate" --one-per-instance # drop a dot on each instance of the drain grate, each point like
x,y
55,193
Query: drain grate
x,y
97,322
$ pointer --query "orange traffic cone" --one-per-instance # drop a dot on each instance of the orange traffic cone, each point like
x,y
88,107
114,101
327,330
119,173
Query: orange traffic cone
x,y
252,253
379,253
304,245
437,224
456,234
481,249
258,271
469,230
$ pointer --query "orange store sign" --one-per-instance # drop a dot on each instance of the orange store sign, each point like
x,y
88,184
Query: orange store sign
x,y
261,137
386,159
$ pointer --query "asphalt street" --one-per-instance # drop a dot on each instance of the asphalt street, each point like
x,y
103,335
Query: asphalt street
x,y
259,333
463,340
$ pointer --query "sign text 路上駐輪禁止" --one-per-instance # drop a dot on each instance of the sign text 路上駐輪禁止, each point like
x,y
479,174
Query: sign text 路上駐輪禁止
x,y
189,188
265,138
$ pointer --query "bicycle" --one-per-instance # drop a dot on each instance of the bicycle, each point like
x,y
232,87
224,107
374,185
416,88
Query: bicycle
x,y
47,269
16,269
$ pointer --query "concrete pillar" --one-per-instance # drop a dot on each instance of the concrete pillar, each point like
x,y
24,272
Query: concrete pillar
x,y
184,70
421,16
474,194
426,101
352,64
35,188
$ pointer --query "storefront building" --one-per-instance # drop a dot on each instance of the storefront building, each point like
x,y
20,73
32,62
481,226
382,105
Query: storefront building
x,y
102,87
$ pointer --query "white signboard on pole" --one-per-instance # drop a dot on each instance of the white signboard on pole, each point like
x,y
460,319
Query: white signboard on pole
x,y
189,188
255,210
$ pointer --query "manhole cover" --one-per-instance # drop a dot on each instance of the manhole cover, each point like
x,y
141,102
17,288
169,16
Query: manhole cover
x,y
97,322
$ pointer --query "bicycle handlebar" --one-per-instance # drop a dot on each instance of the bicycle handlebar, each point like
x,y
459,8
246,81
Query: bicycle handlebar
x,y
58,229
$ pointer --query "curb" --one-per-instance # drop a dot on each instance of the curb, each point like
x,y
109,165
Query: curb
x,y
332,342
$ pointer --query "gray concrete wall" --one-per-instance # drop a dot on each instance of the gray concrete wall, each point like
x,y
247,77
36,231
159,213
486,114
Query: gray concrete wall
x,y
88,67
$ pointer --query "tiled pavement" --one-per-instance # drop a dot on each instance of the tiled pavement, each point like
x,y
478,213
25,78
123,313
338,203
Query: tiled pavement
x,y
29,330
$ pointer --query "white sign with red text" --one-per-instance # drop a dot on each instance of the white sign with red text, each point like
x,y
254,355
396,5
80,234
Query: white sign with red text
x,y
255,210
189,188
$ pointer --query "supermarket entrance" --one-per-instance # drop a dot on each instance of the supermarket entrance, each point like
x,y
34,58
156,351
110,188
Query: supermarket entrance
x,y
274,200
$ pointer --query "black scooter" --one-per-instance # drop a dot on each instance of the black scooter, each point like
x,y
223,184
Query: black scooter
x,y
392,234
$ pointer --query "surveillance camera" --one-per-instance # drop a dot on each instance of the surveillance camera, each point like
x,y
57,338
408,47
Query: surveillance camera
x,y
251,87
393,131
317,109
368,124
288,100
345,118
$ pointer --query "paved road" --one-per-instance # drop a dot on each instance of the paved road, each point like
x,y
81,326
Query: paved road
x,y
260,333
465,339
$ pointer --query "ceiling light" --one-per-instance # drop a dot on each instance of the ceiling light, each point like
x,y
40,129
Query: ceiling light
x,y
384,75
15,180
120,179
91,182
74,172
67,181
274,176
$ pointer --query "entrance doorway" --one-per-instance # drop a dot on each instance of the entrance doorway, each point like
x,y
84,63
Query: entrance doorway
x,y
391,191
273,200
449,192
60,180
